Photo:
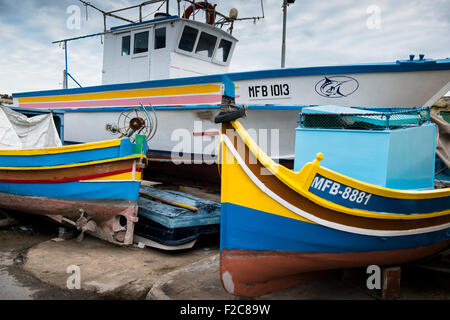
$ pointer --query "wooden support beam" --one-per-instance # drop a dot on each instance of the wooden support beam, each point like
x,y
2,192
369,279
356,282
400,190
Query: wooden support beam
x,y
390,283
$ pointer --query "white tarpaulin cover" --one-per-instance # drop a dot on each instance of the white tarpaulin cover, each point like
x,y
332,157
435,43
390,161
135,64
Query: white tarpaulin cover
x,y
17,131
442,139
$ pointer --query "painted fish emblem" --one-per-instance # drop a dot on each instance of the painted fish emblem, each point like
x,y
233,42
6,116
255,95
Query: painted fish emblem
x,y
336,86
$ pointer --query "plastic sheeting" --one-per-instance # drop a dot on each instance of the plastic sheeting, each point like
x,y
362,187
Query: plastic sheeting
x,y
442,139
17,131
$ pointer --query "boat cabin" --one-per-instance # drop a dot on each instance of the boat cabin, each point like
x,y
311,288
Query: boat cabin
x,y
166,47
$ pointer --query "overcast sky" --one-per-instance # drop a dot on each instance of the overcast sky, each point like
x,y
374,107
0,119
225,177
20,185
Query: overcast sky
x,y
319,32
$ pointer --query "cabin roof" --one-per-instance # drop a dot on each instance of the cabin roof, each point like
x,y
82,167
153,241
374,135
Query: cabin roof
x,y
145,22
175,18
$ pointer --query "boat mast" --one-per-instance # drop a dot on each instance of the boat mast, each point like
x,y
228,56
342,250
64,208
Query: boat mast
x,y
286,3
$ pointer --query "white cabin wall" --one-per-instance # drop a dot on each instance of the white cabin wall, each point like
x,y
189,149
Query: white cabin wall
x,y
160,58
116,68
163,63
139,69
159,64
109,44
185,66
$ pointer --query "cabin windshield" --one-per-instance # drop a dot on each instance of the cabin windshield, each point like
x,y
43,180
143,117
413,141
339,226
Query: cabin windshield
x,y
160,38
126,45
141,42
223,50
188,38
206,45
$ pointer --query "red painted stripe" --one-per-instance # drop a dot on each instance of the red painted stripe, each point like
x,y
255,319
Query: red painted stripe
x,y
92,176
206,133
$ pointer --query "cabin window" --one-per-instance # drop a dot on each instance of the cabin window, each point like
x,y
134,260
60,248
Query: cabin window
x,y
141,42
188,38
160,38
206,45
223,50
126,46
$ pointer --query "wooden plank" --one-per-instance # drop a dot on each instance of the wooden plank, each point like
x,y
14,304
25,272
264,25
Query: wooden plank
x,y
174,203
149,183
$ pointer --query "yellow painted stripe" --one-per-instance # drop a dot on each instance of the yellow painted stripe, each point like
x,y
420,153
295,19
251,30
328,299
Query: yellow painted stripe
x,y
300,182
238,188
171,202
166,91
382,191
121,176
63,149
137,156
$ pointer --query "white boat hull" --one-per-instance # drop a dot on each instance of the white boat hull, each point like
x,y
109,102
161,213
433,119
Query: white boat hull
x,y
186,107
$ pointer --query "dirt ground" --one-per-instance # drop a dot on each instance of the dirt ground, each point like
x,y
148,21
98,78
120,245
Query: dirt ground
x,y
34,266
19,284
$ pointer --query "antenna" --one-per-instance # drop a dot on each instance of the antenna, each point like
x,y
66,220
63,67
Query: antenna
x,y
225,19
114,15
286,3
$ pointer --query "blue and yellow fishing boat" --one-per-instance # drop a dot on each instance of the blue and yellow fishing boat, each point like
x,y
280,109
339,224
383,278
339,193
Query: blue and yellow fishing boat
x,y
92,186
95,187
279,225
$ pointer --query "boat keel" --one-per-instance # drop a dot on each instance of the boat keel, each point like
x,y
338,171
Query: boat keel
x,y
110,220
255,273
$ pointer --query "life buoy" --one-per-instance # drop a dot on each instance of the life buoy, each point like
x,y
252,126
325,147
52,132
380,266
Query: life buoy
x,y
210,12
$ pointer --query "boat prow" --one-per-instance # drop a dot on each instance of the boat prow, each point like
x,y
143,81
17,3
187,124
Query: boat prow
x,y
279,226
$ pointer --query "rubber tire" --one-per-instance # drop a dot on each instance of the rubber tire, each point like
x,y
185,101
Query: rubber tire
x,y
227,116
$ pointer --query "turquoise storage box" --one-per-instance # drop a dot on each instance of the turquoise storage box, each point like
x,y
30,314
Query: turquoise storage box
x,y
402,157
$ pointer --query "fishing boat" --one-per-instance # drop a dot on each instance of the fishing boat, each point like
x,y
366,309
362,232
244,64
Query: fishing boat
x,y
93,186
361,193
177,64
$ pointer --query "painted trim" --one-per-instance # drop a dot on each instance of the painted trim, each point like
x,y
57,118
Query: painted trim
x,y
63,149
72,165
177,108
157,108
171,100
145,22
283,174
122,94
88,177
440,64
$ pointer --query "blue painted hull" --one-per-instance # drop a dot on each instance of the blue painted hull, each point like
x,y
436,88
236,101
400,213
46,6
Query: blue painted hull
x,y
127,190
124,149
247,229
